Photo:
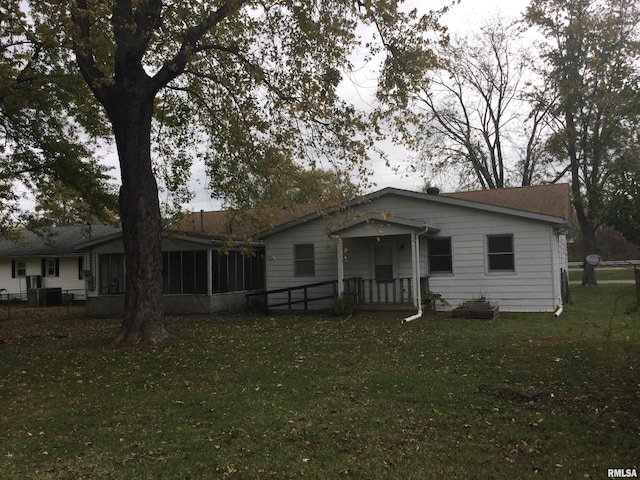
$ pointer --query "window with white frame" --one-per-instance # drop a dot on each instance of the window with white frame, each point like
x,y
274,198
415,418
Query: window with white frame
x,y
51,267
21,268
439,255
304,260
500,253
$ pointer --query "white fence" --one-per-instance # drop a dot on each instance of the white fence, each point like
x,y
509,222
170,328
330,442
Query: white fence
x,y
610,263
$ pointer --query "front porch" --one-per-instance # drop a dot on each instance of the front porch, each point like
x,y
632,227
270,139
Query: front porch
x,y
382,261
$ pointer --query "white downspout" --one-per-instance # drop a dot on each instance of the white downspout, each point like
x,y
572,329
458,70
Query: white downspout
x,y
340,251
555,265
415,253
413,317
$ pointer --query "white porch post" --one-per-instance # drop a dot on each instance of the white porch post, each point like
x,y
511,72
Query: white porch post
x,y
415,261
340,250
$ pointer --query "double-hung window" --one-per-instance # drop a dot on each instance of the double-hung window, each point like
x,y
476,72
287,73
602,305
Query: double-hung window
x,y
500,253
304,260
439,255
50,267
21,268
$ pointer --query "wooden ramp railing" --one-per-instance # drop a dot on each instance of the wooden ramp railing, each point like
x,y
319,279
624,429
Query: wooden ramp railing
x,y
366,292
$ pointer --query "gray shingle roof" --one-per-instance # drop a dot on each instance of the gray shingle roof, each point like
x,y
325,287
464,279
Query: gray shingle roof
x,y
56,241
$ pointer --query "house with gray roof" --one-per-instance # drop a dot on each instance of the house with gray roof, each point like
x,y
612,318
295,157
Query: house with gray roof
x,y
49,260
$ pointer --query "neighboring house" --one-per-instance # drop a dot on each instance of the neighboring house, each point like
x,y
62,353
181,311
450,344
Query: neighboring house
x,y
209,263
508,246
33,263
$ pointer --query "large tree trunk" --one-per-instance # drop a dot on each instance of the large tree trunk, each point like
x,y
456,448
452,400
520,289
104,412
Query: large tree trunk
x,y
131,114
590,247
589,275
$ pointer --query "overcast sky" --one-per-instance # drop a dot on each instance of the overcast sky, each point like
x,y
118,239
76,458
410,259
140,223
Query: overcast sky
x,y
462,17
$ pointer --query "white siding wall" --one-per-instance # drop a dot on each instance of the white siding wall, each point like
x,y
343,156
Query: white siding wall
x,y
67,280
17,285
280,261
529,288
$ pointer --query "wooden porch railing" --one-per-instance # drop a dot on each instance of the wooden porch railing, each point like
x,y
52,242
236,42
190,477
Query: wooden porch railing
x,y
398,291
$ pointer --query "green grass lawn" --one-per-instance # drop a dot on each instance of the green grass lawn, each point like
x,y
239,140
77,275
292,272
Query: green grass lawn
x,y
247,396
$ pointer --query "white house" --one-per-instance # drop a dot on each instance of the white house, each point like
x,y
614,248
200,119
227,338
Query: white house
x,y
508,246
39,266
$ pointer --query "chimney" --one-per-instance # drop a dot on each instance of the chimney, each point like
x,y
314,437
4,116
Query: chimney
x,y
433,191
202,221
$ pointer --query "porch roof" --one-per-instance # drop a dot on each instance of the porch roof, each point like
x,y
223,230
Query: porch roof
x,y
376,224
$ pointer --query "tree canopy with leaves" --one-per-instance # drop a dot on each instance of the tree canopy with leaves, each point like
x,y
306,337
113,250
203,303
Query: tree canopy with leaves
x,y
59,204
324,187
47,120
592,50
623,198
248,86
